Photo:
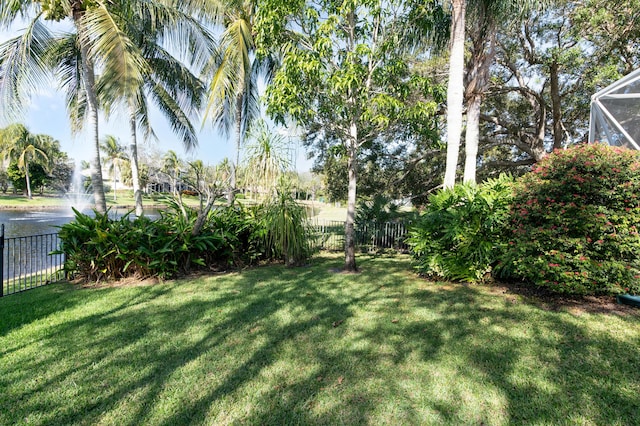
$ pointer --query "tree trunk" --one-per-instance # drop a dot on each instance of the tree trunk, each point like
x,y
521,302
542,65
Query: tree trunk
x,y
455,92
135,174
26,173
92,114
476,86
115,180
556,108
349,228
234,167
202,215
472,137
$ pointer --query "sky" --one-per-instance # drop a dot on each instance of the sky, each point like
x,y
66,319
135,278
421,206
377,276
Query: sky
x,y
47,115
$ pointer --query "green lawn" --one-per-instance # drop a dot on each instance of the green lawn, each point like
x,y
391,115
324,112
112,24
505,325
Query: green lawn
x,y
310,346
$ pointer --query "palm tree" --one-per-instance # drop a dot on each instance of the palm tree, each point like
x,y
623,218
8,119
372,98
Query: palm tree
x,y
455,90
172,166
167,82
233,90
115,156
22,145
101,43
488,12
266,156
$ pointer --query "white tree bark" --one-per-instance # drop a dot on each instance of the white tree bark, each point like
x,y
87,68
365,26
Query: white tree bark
x,y
135,172
349,230
88,78
455,92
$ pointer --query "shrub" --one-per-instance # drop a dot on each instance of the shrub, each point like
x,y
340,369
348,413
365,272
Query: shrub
x,y
100,247
573,222
288,236
459,234
243,233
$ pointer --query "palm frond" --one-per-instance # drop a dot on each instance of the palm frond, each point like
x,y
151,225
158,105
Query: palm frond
x,y
110,47
11,10
65,59
179,121
177,79
23,67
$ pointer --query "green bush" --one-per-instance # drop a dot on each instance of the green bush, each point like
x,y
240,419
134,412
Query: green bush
x,y
459,234
243,233
287,236
573,222
99,247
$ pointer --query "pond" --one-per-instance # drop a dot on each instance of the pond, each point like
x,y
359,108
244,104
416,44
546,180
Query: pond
x,y
22,223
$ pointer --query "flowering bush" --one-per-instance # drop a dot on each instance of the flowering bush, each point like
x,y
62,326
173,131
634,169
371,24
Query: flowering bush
x,y
573,222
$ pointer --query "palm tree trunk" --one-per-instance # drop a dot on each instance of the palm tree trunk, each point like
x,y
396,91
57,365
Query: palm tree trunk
x,y
472,137
26,173
92,114
482,57
135,173
349,227
234,168
455,92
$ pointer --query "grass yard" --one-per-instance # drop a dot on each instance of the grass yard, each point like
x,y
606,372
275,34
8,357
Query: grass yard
x,y
310,346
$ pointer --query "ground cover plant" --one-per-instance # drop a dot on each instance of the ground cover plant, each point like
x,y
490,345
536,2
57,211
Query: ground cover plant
x,y
277,345
573,225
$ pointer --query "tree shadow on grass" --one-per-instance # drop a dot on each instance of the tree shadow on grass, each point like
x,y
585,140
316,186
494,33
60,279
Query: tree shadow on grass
x,y
143,339
308,346
24,308
546,367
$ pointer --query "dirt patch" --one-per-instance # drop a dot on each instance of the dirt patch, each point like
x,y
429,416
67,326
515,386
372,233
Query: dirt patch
x,y
124,282
548,300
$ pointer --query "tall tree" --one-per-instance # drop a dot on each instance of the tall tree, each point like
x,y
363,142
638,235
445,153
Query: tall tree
x,y
267,158
455,90
235,73
25,60
485,19
18,143
102,41
486,13
163,35
482,34
541,86
114,155
344,76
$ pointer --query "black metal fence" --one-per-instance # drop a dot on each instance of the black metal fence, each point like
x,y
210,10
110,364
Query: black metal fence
x,y
25,262
370,237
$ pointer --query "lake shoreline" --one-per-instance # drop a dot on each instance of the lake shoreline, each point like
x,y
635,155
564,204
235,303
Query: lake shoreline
x,y
49,207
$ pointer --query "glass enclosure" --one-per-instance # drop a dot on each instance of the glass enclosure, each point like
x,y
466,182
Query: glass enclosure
x,y
615,113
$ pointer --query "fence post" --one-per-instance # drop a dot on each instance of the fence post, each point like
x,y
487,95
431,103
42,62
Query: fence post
x,y
2,260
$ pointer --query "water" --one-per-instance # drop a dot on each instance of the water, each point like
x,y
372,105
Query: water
x,y
22,223
77,195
